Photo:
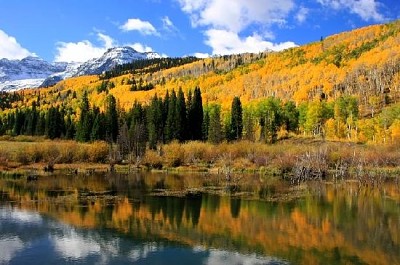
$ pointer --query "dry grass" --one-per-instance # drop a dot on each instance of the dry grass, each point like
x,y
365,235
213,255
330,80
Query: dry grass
x,y
287,158
52,151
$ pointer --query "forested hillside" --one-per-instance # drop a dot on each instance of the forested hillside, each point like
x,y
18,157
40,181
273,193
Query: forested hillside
x,y
345,86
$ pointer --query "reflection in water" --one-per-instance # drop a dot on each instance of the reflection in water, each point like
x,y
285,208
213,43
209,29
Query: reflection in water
x,y
9,247
75,246
343,224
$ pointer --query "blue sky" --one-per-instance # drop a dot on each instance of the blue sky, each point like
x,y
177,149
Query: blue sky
x,y
77,30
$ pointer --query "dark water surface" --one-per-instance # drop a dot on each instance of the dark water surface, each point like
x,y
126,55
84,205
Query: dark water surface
x,y
195,219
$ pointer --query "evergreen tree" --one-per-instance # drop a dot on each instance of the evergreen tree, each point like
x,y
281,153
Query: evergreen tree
x,y
215,128
171,126
111,118
181,116
155,122
54,123
206,123
195,116
85,123
290,116
99,123
236,124
69,128
19,122
32,120
41,125
270,114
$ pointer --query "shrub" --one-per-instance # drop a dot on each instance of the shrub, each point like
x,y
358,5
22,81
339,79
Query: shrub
x,y
174,154
152,160
98,152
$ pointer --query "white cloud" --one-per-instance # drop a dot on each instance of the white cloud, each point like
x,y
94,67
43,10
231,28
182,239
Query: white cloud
x,y
10,48
107,40
83,50
236,15
301,15
140,47
226,20
228,42
201,55
144,27
366,9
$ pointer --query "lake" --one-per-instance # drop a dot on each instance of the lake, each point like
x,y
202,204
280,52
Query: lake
x,y
159,218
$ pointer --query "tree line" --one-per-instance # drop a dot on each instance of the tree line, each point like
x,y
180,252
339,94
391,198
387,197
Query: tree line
x,y
145,66
180,117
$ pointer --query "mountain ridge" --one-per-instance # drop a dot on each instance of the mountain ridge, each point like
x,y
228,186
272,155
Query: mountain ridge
x,y
34,72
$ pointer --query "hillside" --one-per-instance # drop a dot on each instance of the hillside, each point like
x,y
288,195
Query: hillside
x,y
359,69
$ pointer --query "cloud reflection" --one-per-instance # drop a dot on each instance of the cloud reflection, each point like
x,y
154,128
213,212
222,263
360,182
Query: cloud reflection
x,y
8,248
223,257
75,246
20,216
143,251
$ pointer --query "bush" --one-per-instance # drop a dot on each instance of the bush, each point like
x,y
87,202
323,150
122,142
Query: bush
x,y
174,154
152,160
97,152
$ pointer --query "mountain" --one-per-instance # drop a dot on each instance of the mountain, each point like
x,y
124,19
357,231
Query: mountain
x,y
32,72
28,72
111,58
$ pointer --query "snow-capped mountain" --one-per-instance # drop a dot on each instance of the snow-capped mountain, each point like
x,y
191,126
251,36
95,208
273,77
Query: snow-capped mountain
x,y
28,72
111,58
32,72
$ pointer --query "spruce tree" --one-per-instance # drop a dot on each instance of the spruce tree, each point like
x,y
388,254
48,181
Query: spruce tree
x,y
111,118
181,122
85,121
215,128
236,124
195,116
155,121
171,123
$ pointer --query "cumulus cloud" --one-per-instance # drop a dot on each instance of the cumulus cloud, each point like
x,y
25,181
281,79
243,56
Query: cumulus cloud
x,y
135,24
228,42
10,48
201,55
226,21
84,50
236,15
140,47
366,9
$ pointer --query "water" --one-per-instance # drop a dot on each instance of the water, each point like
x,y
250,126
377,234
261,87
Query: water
x,y
195,219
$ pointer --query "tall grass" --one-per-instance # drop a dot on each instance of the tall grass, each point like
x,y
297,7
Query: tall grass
x,y
52,151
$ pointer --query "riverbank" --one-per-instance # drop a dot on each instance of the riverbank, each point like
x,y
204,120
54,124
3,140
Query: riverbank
x,y
297,158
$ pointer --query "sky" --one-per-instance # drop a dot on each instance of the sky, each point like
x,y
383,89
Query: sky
x,y
78,30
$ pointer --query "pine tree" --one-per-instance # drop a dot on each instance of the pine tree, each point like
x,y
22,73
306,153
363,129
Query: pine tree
x,y
155,122
195,116
111,118
181,122
171,126
215,127
236,124
85,123
290,116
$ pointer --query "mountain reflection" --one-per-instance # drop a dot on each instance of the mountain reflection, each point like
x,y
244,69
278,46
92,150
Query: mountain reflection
x,y
343,224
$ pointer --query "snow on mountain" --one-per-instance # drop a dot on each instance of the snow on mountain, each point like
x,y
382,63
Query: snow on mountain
x,y
28,72
32,72
70,70
111,58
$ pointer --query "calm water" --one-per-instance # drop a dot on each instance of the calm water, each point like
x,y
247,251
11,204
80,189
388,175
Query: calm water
x,y
128,219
